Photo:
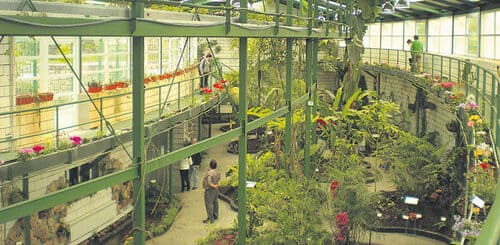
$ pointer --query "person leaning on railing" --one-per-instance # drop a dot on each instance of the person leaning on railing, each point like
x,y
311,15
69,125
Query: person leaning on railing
x,y
416,50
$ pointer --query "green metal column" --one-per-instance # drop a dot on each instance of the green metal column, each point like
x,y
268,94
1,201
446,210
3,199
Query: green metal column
x,y
138,127
288,91
307,145
27,226
242,142
170,167
315,83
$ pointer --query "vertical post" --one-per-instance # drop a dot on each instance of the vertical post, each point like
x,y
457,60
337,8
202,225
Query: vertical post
x,y
492,106
137,11
170,167
27,226
314,84
307,145
288,91
242,141
57,127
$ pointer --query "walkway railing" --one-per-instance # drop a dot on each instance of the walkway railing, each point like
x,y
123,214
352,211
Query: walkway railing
x,y
37,123
472,79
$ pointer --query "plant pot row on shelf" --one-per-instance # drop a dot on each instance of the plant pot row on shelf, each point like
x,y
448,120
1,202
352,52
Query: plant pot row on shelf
x,y
25,99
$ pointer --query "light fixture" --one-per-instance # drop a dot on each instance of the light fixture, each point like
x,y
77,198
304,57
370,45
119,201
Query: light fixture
x,y
387,7
402,4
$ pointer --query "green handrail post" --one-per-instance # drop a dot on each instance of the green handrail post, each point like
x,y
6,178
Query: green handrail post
x,y
441,68
483,94
57,127
26,219
307,146
477,85
139,224
100,117
178,96
170,167
492,108
228,16
159,102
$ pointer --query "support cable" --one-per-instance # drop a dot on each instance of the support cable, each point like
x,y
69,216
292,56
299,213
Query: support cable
x,y
108,124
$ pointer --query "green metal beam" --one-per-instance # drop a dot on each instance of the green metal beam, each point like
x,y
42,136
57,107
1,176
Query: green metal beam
x,y
68,194
423,8
56,26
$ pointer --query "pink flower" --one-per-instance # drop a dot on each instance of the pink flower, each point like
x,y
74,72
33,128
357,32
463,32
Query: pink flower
x,y
470,123
76,140
38,148
25,151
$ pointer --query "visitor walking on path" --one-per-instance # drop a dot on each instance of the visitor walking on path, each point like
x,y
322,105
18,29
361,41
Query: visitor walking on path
x,y
184,172
211,186
204,70
195,167
416,49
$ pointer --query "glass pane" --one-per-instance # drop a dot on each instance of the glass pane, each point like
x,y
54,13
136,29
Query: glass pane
x,y
497,25
433,44
397,43
397,28
472,23
434,27
386,43
446,24
409,28
460,25
459,45
472,45
420,27
386,29
497,49
487,47
375,29
375,42
488,23
445,45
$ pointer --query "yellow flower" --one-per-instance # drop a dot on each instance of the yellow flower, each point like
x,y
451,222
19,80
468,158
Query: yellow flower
x,y
475,210
475,118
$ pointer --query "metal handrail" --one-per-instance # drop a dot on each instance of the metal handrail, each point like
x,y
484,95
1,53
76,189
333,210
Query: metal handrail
x,y
153,107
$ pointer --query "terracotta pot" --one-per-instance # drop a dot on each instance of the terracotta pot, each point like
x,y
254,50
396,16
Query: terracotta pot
x,y
25,99
110,86
121,84
95,89
47,96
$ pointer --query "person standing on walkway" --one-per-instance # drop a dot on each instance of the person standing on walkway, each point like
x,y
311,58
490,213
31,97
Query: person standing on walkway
x,y
184,172
410,60
204,70
195,167
416,49
211,186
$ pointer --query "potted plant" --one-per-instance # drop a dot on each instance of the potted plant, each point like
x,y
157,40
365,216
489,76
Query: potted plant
x,y
94,87
122,84
46,96
110,86
24,99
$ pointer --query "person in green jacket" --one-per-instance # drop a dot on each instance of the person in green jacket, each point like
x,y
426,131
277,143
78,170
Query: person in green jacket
x,y
416,50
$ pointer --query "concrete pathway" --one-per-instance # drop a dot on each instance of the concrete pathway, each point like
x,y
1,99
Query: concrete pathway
x,y
188,226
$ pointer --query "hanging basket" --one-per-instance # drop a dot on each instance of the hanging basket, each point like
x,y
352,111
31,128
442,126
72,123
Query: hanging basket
x,y
25,99
95,89
47,96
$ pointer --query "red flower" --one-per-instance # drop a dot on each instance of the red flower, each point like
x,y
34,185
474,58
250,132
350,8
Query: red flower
x,y
484,165
219,86
446,85
206,90
321,122
334,185
339,237
38,148
222,81
342,218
